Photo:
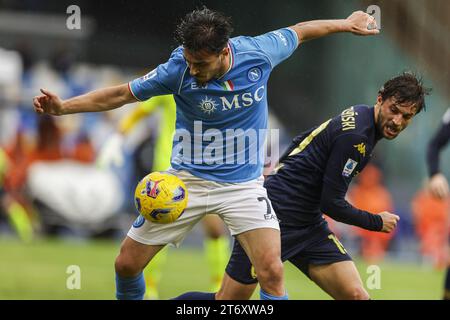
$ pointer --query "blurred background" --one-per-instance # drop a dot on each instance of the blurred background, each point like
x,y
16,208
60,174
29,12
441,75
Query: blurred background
x,y
59,207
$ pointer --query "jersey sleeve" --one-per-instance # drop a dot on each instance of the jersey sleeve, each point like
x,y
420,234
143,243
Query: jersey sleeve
x,y
345,161
277,45
165,79
437,143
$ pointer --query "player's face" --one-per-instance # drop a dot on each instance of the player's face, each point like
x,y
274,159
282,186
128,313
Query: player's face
x,y
392,117
205,66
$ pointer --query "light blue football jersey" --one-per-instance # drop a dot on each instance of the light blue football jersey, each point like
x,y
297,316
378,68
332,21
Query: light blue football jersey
x,y
221,125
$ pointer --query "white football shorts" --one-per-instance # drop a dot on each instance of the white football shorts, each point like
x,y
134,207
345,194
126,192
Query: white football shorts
x,y
242,206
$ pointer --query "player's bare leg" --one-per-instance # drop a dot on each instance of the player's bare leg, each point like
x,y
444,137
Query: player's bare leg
x,y
233,290
264,249
340,280
133,257
130,263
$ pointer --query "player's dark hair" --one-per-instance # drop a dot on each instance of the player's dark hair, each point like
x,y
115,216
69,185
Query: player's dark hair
x,y
204,29
405,88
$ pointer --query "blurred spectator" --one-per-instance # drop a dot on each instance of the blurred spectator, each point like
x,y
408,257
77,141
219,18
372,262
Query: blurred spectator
x,y
61,60
13,202
369,194
4,163
48,148
83,150
26,139
431,221
27,56
20,212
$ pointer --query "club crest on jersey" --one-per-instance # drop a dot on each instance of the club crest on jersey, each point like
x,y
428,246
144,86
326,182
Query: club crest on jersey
x,y
350,165
254,74
361,147
208,105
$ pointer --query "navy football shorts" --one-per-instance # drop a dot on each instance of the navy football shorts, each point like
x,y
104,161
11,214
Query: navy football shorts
x,y
302,246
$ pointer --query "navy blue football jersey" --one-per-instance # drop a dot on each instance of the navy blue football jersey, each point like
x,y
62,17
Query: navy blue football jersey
x,y
314,174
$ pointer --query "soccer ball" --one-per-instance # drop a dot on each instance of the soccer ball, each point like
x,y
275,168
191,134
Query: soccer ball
x,y
161,197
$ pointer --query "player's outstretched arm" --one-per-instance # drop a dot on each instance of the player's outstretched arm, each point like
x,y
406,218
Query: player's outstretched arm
x,y
94,101
359,23
342,164
438,184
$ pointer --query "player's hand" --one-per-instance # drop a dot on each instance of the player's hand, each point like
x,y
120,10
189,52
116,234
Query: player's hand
x,y
48,102
389,221
362,24
111,153
438,186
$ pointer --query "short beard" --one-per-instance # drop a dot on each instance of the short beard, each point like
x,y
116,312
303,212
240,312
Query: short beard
x,y
379,125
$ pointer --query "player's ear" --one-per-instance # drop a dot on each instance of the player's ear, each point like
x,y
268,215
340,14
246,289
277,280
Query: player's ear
x,y
225,51
379,99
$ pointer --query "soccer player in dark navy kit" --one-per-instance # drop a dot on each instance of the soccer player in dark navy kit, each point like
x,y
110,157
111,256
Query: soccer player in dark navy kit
x,y
438,184
312,178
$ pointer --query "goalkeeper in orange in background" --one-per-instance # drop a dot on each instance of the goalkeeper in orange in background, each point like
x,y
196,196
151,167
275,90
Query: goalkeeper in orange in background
x,y
371,195
216,244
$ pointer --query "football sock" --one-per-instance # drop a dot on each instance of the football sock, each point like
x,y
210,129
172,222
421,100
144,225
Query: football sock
x,y
217,252
130,288
265,296
196,296
152,274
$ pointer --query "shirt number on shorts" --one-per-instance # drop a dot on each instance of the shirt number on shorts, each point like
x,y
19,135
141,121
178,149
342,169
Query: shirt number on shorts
x,y
268,215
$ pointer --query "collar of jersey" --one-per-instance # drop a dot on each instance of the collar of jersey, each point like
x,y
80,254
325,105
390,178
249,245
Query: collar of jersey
x,y
231,61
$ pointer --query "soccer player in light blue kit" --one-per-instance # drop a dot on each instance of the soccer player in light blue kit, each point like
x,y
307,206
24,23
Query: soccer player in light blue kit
x,y
220,88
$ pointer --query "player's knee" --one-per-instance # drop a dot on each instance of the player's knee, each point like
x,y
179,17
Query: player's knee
x,y
271,271
126,267
357,293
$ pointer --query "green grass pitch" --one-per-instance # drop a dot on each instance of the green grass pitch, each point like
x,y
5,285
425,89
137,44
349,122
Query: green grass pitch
x,y
38,271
